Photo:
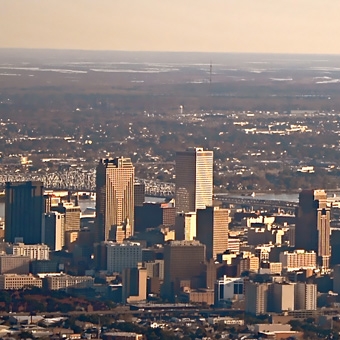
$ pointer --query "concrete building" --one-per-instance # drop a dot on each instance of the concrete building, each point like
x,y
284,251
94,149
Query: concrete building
x,y
124,255
182,262
71,214
212,230
15,281
256,297
54,230
312,231
228,289
64,282
115,196
185,226
134,285
152,215
281,297
298,259
33,251
194,179
234,244
14,264
305,296
24,209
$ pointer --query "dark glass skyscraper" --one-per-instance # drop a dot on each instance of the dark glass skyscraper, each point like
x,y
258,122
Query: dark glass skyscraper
x,y
312,230
24,209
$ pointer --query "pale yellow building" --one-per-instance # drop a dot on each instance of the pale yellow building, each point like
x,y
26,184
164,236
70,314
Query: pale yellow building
x,y
15,281
298,259
62,282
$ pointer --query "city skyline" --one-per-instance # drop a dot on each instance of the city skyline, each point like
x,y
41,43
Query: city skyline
x,y
244,26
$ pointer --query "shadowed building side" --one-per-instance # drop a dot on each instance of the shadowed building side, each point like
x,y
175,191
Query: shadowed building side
x,y
194,179
24,209
312,230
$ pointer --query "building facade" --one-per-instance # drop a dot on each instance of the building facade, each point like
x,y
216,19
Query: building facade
x,y
115,196
123,255
298,259
33,251
15,281
194,179
14,264
182,261
64,282
212,226
312,230
24,209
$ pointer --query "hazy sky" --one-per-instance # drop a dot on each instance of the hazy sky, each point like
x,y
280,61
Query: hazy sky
x,y
283,26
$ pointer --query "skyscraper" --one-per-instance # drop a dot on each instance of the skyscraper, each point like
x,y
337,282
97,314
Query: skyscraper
x,y
194,179
24,209
182,261
312,230
115,196
212,228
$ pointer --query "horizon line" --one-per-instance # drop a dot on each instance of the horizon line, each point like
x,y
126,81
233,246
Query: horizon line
x,y
155,51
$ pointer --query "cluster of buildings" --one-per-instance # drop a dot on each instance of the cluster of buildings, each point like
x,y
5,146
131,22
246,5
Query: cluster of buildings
x,y
190,249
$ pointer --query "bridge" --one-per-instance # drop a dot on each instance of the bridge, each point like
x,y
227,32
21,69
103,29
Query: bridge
x,y
259,203
75,179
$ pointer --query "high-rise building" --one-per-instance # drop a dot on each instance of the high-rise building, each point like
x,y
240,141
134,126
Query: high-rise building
x,y
256,297
134,285
194,179
298,259
71,213
115,196
305,296
312,230
54,230
281,297
139,194
24,209
212,230
182,261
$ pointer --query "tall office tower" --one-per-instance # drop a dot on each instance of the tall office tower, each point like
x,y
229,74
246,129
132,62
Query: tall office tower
x,y
256,297
115,195
212,230
54,230
305,296
24,209
72,215
139,194
185,226
194,179
312,230
182,262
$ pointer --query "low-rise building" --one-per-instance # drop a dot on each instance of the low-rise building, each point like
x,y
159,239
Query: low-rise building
x,y
33,251
15,281
63,282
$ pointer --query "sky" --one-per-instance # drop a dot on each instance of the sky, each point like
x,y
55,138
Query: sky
x,y
256,26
